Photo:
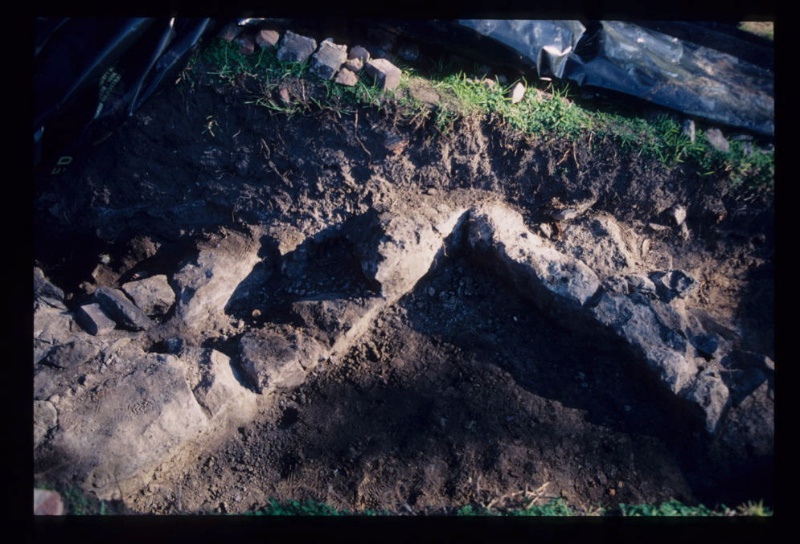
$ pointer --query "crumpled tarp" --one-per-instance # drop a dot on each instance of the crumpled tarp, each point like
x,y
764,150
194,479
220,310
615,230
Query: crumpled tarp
x,y
91,73
734,86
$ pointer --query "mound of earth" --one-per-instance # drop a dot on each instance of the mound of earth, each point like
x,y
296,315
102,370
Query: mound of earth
x,y
233,304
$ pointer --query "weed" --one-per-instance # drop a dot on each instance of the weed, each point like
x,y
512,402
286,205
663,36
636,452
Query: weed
x,y
752,508
667,509
297,508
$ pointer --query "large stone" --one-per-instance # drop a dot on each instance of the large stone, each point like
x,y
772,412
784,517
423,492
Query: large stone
x,y
711,395
539,272
634,320
118,307
214,383
72,353
153,295
386,74
46,291
398,247
92,318
273,360
295,48
338,322
206,283
51,327
111,435
328,59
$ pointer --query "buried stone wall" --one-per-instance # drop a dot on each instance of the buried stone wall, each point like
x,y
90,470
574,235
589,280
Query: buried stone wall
x,y
113,409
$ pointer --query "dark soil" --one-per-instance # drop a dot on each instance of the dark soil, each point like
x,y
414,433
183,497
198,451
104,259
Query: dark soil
x,y
461,393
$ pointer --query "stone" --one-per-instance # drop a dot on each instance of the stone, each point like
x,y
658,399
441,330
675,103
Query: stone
x,y
229,32
711,395
745,371
717,140
386,74
93,320
358,52
206,283
706,345
215,385
517,93
118,307
678,214
673,284
539,272
296,48
117,432
354,65
273,360
153,295
247,44
328,59
267,39
337,322
398,247
647,330
346,76
51,327
45,418
46,291
71,354
641,284
47,503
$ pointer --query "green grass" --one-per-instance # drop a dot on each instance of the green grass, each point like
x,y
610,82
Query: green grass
x,y
553,508
79,503
547,110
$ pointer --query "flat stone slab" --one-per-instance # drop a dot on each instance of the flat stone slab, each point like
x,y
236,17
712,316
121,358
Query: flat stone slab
x,y
51,327
118,307
153,295
117,430
92,318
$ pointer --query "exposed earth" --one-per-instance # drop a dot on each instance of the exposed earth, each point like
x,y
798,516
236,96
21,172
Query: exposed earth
x,y
458,388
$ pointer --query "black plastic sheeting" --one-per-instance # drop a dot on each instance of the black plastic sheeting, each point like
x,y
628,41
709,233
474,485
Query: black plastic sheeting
x,y
90,74
709,71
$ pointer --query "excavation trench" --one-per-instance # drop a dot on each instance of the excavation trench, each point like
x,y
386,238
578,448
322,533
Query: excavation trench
x,y
462,391
428,363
